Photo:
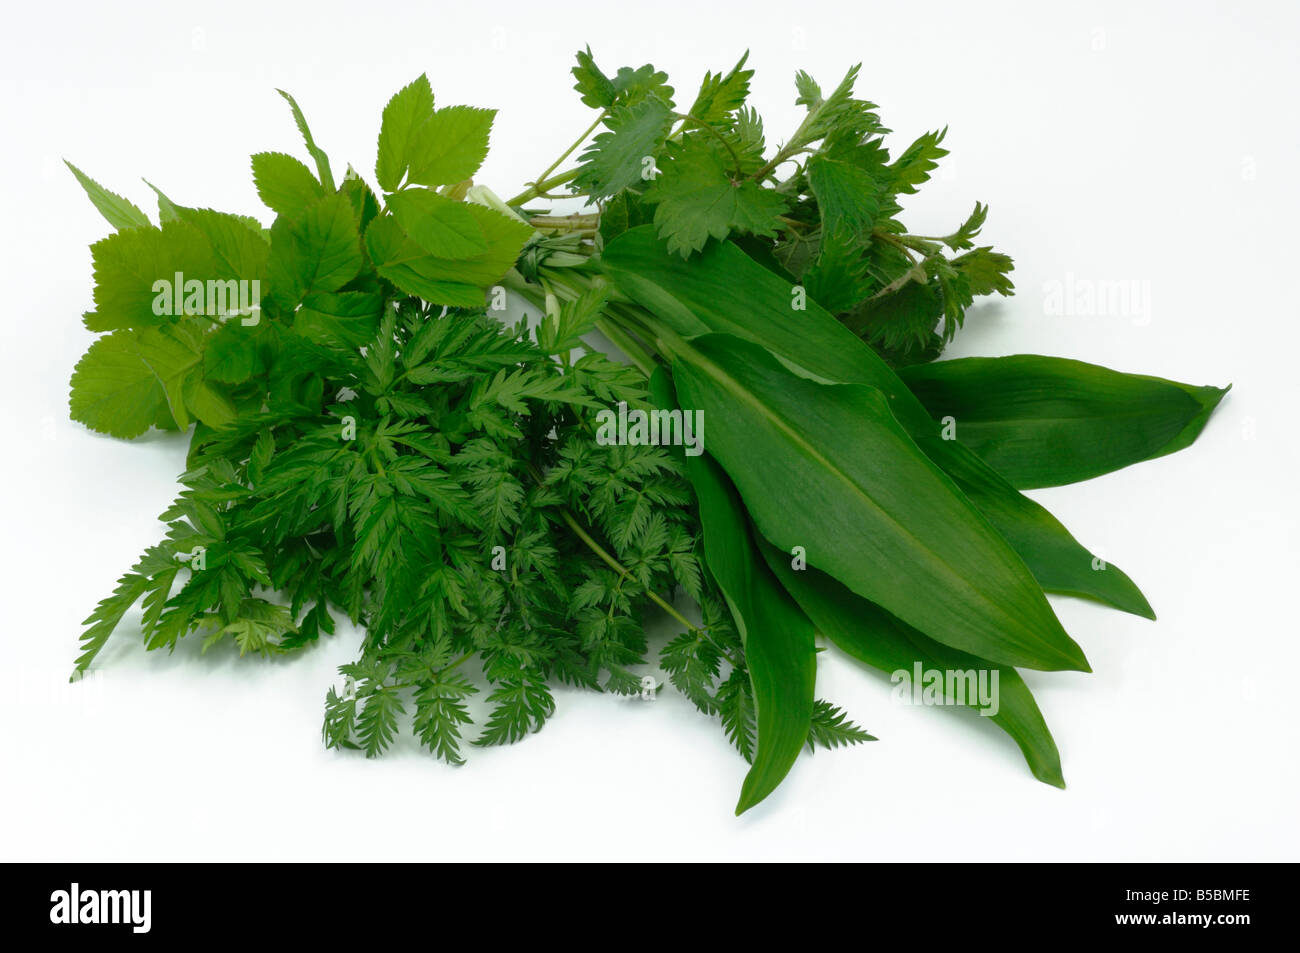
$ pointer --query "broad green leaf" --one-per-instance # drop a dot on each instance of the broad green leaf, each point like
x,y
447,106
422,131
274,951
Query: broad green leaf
x,y
504,236
1053,555
128,379
777,636
1047,421
322,161
724,290
442,227
230,354
320,251
350,318
171,354
841,478
208,403
450,145
414,271
129,263
409,108
119,212
113,390
239,249
875,637
284,184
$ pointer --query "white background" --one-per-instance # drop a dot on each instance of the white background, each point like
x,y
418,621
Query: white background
x,y
1156,143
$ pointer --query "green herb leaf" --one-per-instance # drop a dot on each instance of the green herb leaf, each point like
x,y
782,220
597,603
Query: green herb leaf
x,y
284,184
1047,421
405,113
875,637
450,145
869,509
696,199
119,212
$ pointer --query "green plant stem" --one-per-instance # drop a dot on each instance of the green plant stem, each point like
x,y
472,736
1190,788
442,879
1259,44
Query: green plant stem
x,y
625,573
568,152
543,188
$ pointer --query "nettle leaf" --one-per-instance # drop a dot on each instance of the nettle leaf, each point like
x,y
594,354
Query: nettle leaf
x,y
450,145
624,155
722,95
697,199
628,86
986,271
442,227
284,184
838,278
409,109
119,212
913,167
847,196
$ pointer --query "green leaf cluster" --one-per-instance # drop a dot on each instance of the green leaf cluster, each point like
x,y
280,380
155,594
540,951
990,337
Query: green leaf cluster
x,y
370,441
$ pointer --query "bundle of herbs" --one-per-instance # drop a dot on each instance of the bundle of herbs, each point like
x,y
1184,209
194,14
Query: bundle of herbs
x,y
368,439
